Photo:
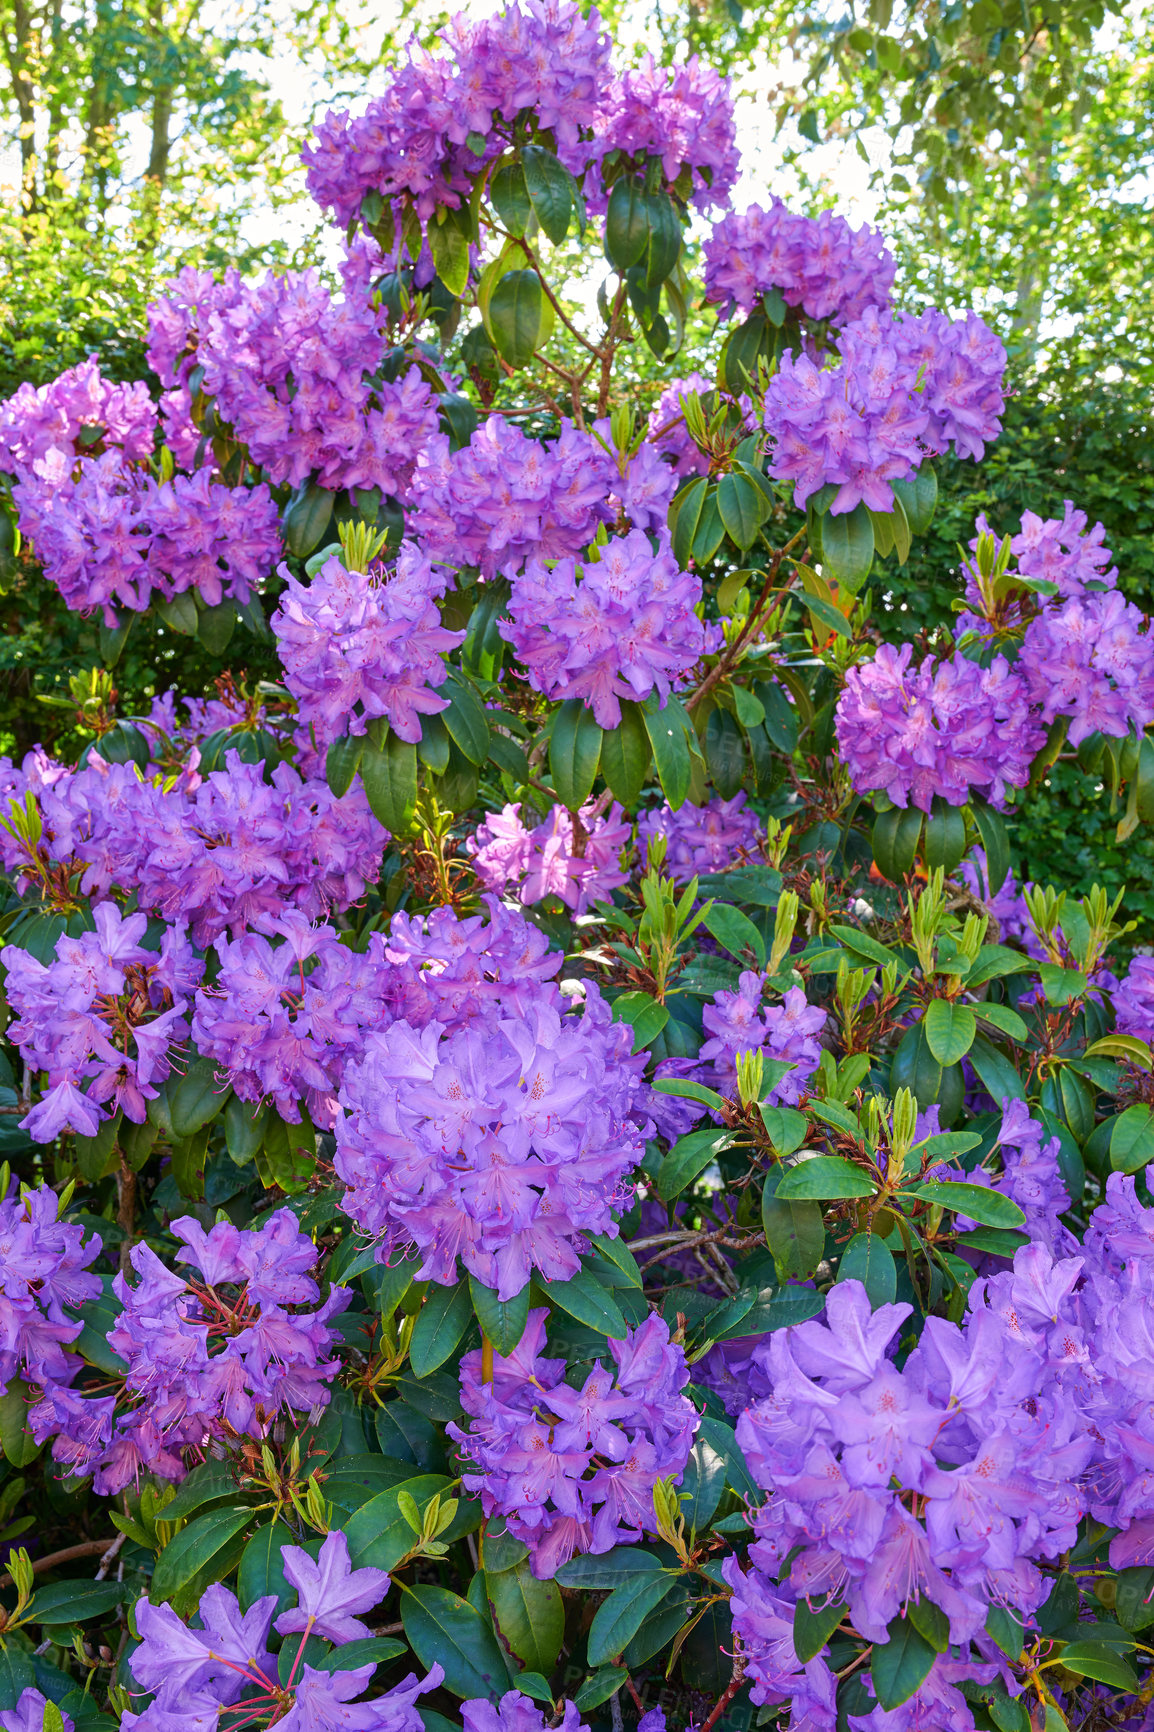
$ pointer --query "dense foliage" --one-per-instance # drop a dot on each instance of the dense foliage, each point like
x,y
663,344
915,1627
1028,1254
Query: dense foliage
x,y
555,1167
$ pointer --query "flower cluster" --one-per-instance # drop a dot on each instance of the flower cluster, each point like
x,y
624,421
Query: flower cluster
x,y
217,852
1062,551
666,426
820,264
973,1423
456,972
43,1268
105,532
198,1672
505,498
573,1470
737,1022
281,1021
627,628
207,1360
76,413
941,728
1134,999
903,388
289,370
501,1140
537,58
1089,659
550,859
682,114
700,838
104,1013
356,645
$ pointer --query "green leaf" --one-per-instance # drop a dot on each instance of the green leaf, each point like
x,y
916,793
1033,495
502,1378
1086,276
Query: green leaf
x,y
19,1446
626,224
244,1123
619,1617
950,1030
198,1098
900,1666
994,961
520,317
369,1650
1132,1139
785,1127
684,517
604,1683
980,1204
995,1070
441,1322
215,626
702,1484
992,829
741,508
197,1556
615,1251
529,1614
574,753
1134,1602
1061,985
861,942
664,244
503,1321
895,838
509,192
306,519
918,497
689,1156
824,1177
614,1569
626,755
443,1629
794,1232
211,1482
342,761
465,719
180,612
945,842
16,1674
449,245
74,1602
735,931
551,189
931,1622
724,753
585,1298
643,1014
390,780
868,1260
813,1629
1095,1660
670,731
1005,1020
187,1164
847,543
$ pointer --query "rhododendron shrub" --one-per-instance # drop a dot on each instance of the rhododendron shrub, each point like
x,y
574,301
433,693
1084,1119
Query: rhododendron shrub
x,y
556,1175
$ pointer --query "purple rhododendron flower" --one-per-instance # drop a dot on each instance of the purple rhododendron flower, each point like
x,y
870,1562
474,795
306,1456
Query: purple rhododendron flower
x,y
700,839
626,629
28,1715
104,1013
500,1143
1090,659
942,728
573,1470
682,114
517,1713
206,1361
43,1268
738,1022
504,498
548,860
820,264
1134,999
357,645
78,412
329,1591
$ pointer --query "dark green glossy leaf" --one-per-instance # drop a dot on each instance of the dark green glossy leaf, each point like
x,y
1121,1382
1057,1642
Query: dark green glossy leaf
x,y
342,761
585,1298
813,1629
574,753
520,317
626,755
950,1030
735,931
848,547
390,780
868,1260
443,1629
550,187
503,1321
529,1614
619,1617
441,1323
901,1665
307,517
825,1177
980,1204
689,1156
626,224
